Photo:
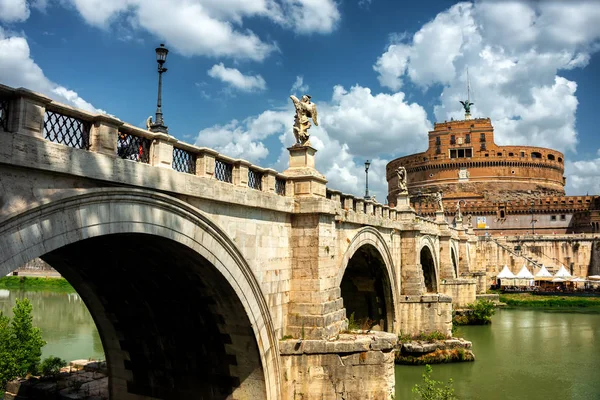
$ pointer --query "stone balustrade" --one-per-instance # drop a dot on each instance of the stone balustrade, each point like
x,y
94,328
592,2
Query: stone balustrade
x,y
33,114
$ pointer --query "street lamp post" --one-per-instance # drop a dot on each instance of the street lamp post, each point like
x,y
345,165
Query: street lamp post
x,y
159,123
532,219
367,165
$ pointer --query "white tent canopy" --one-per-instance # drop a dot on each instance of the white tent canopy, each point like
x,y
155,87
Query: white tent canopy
x,y
543,274
524,273
505,273
562,273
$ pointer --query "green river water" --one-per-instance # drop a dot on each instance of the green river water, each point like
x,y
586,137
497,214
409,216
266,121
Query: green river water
x,y
524,354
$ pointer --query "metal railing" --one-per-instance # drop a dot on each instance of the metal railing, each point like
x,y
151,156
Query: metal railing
x,y
132,147
4,113
70,131
184,161
280,186
255,179
223,171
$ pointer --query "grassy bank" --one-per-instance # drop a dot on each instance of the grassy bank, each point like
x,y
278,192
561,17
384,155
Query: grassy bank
x,y
35,284
529,300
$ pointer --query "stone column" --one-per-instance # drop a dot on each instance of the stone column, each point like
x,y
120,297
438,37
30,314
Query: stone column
x,y
103,135
205,162
162,151
240,172
268,180
369,207
360,206
26,113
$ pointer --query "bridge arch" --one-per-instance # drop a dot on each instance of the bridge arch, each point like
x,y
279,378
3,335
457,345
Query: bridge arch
x,y
226,317
429,264
368,257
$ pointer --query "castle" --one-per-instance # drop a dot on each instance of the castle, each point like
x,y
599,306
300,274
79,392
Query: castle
x,y
502,190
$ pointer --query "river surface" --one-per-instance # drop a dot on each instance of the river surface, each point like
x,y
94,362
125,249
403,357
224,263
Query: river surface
x,y
524,354
66,324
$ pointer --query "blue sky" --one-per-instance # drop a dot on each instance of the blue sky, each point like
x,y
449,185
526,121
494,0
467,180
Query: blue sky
x,y
381,72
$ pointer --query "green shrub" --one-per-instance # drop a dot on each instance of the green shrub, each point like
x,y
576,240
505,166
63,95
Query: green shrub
x,y
20,343
352,323
483,311
51,366
432,389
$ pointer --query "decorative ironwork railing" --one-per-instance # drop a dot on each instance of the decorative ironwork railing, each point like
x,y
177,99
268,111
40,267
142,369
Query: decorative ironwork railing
x,y
223,171
184,161
255,179
280,186
132,147
70,131
4,113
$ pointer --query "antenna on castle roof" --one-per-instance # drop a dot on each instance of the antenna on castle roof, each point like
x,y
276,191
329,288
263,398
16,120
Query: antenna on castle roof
x,y
467,104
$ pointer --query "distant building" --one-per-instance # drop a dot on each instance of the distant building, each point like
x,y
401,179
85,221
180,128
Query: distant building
x,y
505,189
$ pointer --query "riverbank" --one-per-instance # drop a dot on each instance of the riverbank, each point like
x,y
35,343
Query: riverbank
x,y
33,284
529,300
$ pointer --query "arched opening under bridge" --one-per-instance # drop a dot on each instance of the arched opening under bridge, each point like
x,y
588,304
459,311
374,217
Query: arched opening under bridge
x,y
428,266
367,291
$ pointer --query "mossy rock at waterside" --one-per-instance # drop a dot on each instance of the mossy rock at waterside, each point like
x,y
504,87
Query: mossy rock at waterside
x,y
439,356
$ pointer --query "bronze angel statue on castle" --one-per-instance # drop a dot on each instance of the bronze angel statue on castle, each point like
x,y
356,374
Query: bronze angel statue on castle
x,y
304,111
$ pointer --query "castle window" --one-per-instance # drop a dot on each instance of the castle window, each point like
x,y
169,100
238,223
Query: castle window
x,y
559,159
453,153
511,154
502,214
483,146
438,150
535,154
482,137
452,139
487,155
563,217
522,154
468,153
512,172
468,138
553,218
499,154
551,157
438,141
461,153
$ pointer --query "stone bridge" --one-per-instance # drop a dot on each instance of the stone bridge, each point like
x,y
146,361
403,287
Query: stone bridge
x,y
212,278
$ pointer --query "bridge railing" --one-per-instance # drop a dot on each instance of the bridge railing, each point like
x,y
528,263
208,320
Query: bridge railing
x,y
33,114
361,206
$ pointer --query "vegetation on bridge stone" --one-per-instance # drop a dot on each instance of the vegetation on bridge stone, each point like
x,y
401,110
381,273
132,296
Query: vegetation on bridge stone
x,y
478,313
28,283
431,389
20,343
529,300
439,356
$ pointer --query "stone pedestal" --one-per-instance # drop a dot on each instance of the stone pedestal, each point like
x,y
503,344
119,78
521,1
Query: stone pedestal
x,y
307,181
439,216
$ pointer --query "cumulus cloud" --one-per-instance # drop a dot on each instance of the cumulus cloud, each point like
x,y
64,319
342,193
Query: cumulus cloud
x,y
513,67
14,10
583,176
212,27
354,125
299,86
17,69
235,79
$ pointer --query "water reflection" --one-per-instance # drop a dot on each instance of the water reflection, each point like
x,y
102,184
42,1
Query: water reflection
x,y
65,321
524,354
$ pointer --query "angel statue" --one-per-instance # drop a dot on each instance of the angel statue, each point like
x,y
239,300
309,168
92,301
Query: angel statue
x,y
149,122
438,197
402,184
467,106
304,111
458,214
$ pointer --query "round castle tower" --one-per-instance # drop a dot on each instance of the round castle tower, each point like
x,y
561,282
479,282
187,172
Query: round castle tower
x,y
463,162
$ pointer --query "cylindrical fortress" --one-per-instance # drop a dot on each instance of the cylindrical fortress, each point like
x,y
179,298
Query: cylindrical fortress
x,y
463,162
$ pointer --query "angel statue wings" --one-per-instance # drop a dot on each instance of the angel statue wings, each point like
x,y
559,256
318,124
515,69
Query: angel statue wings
x,y
304,111
466,105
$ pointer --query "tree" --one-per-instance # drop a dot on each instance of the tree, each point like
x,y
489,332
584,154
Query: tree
x,y
432,389
20,343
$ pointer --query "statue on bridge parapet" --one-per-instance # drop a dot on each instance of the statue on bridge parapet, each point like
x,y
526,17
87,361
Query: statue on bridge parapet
x,y
438,197
304,111
149,123
402,181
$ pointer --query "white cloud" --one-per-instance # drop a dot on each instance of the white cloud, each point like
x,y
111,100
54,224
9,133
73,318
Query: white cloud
x,y
583,176
14,10
513,67
234,78
299,86
17,69
353,125
212,27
